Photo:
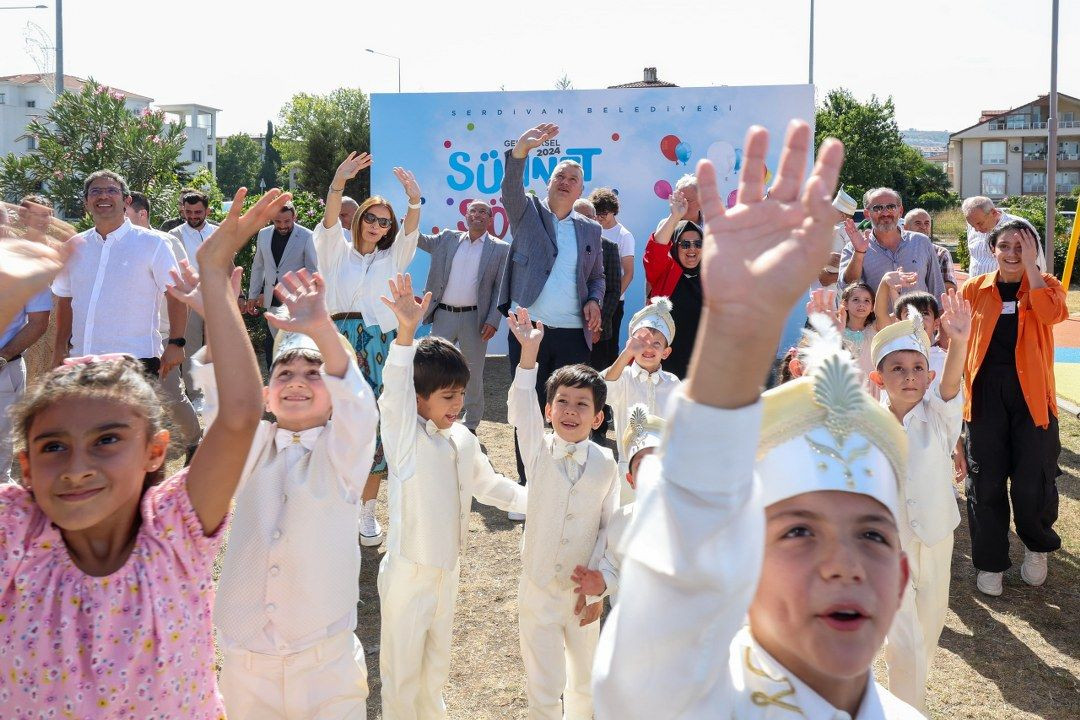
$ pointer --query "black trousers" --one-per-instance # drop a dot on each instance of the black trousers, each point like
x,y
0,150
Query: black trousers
x,y
560,346
1004,443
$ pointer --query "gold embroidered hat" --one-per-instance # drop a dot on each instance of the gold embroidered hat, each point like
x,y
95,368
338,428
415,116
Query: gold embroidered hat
x,y
823,431
642,431
907,334
655,315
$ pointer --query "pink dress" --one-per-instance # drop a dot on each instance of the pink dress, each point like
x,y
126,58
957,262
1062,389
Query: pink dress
x,y
135,644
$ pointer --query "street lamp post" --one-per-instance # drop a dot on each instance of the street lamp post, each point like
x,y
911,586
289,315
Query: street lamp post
x,y
811,81
59,47
1051,154
392,57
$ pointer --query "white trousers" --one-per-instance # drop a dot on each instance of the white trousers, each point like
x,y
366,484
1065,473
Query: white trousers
x,y
12,385
913,637
325,682
557,652
416,605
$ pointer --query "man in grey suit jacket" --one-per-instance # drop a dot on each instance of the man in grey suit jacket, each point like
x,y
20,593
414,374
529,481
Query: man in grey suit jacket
x,y
464,281
279,248
555,267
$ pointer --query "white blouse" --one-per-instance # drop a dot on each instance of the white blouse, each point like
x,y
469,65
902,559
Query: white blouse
x,y
355,282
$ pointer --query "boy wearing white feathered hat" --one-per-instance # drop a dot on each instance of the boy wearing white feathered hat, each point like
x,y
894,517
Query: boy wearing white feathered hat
x,y
931,415
637,376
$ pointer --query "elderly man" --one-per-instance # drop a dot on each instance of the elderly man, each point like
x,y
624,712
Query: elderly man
x,y
887,248
111,290
982,218
345,215
555,267
464,280
918,220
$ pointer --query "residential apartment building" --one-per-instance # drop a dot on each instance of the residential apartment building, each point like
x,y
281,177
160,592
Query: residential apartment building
x,y
1005,152
26,97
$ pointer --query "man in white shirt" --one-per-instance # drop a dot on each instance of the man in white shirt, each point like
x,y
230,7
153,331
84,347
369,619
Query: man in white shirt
x,y
194,207
464,280
111,290
606,203
982,217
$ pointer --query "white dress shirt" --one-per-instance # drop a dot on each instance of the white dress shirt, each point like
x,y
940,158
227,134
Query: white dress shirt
x,y
288,578
355,282
698,499
464,280
624,239
613,552
928,504
116,285
433,474
193,238
573,493
982,257
637,385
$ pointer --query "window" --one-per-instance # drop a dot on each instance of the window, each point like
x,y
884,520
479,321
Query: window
x,y
196,156
209,151
1067,180
31,103
210,167
1069,150
993,152
993,182
1035,150
31,143
1065,117
1034,182
3,98
201,120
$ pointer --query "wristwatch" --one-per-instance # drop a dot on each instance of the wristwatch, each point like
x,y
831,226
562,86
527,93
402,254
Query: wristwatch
x,y
178,342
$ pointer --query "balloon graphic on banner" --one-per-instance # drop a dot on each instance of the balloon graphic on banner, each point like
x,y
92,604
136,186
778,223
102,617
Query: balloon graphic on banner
x,y
682,151
667,147
722,155
662,188
731,198
738,159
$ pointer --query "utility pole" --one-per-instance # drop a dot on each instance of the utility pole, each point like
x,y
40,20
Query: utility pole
x,y
59,47
1051,154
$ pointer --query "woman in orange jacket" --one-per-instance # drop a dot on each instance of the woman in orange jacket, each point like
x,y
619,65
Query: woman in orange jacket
x,y
1011,409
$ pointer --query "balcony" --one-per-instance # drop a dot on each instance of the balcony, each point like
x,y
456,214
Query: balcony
x,y
1025,125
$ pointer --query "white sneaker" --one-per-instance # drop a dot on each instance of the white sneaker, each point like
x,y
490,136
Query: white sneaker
x,y
1033,569
515,516
989,583
371,533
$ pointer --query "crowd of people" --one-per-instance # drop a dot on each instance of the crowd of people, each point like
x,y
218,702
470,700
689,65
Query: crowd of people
x,y
758,549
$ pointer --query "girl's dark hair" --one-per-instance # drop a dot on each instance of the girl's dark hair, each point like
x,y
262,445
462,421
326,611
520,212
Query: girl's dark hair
x,y
123,381
438,365
1017,225
357,222
921,301
863,286
578,376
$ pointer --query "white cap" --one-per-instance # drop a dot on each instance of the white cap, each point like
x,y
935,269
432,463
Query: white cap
x,y
655,315
844,203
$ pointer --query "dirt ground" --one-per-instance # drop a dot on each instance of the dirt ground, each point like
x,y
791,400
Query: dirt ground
x,y
1016,656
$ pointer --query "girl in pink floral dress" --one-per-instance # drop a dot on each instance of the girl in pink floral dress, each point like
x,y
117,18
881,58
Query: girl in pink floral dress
x,y
105,570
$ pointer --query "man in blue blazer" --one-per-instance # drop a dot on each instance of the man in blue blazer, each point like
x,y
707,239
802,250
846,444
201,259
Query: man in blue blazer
x,y
555,267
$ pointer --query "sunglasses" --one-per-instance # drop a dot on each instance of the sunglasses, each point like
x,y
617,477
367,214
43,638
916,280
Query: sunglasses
x,y
687,244
878,208
372,218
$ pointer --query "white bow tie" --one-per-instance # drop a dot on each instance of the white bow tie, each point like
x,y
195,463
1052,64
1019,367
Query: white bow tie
x,y
644,375
578,451
287,438
433,429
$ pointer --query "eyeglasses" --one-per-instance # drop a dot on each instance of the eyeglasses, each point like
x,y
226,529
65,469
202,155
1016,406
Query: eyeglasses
x,y
372,218
99,191
878,208
687,244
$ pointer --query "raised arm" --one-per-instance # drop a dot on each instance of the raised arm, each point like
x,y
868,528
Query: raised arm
x,y
513,187
346,171
28,264
892,284
956,323
218,463
412,192
523,411
851,259
678,205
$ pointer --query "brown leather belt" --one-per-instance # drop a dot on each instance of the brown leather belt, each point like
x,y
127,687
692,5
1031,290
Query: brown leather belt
x,y
347,316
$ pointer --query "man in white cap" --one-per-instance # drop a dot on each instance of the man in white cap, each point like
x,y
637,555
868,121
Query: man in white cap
x,y
636,376
790,518
845,229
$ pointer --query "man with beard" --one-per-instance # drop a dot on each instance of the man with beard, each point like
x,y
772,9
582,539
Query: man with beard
x,y
195,229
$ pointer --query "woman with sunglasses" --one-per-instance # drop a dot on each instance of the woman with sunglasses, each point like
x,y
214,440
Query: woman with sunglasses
x,y
356,269
672,269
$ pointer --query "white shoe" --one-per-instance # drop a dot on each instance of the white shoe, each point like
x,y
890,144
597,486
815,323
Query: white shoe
x,y
515,516
371,533
989,583
1033,569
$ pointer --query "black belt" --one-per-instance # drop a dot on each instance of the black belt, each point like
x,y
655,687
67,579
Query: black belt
x,y
451,308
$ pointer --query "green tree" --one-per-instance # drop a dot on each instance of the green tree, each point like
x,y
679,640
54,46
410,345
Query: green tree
x,y
316,132
914,176
564,83
239,164
271,165
92,130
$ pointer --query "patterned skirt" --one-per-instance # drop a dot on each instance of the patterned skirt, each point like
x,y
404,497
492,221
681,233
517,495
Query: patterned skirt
x,y
372,346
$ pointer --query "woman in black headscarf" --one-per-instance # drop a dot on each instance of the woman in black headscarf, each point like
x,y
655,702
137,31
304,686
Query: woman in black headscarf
x,y
672,270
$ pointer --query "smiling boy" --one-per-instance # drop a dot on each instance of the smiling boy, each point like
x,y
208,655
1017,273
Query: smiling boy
x,y
573,493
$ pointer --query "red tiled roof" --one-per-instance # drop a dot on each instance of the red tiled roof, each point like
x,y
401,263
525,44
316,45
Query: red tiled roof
x,y
71,82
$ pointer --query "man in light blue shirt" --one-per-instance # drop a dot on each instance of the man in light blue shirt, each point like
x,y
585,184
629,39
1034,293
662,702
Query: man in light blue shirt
x,y
557,305
27,327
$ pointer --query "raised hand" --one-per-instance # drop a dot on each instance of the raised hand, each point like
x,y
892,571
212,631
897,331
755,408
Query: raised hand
x,y
185,285
403,302
408,181
859,241
635,345
219,250
304,294
534,137
1029,250
760,254
27,267
349,168
897,280
522,327
955,317
823,301
678,204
